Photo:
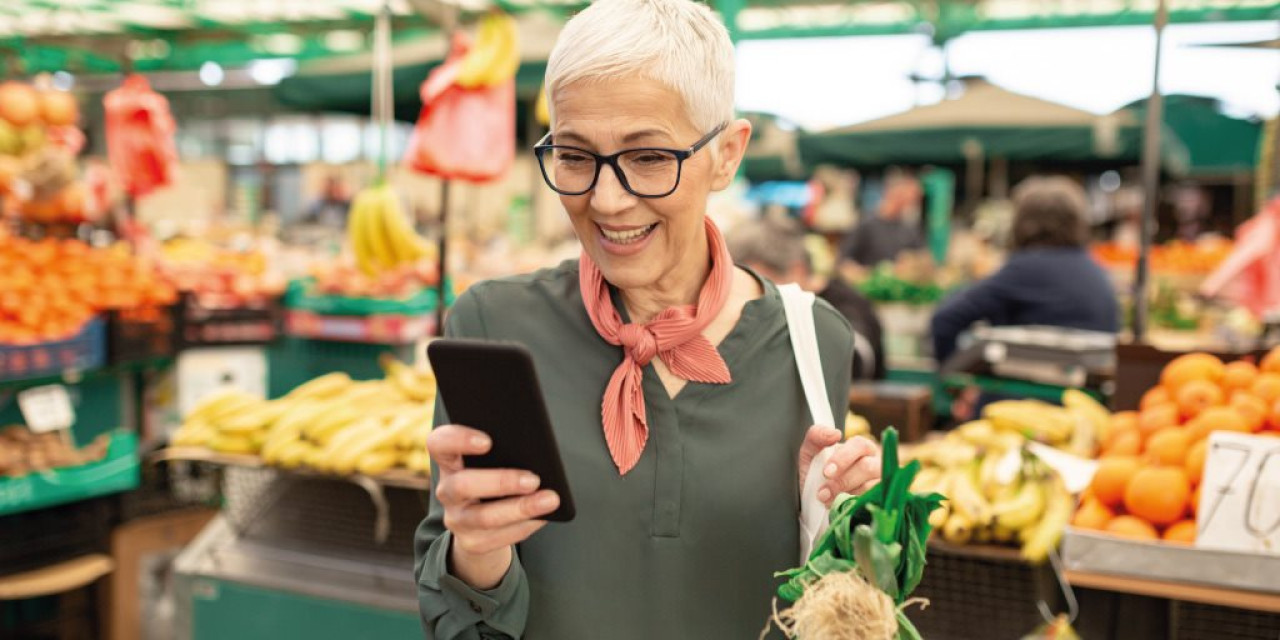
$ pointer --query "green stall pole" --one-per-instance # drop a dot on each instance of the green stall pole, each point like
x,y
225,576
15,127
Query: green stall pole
x,y
939,188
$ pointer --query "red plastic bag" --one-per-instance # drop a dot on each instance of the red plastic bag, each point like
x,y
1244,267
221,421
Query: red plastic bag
x,y
140,132
466,134
1250,275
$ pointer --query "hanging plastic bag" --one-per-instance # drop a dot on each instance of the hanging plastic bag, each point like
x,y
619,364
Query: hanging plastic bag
x,y
1250,275
140,130
466,134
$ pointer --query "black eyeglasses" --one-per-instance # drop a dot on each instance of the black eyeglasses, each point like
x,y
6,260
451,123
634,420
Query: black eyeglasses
x,y
646,172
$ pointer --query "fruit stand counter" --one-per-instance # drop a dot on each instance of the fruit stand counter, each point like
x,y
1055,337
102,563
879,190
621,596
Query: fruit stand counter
x,y
1252,600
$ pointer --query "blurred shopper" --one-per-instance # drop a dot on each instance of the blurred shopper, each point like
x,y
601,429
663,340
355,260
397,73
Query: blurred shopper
x,y
330,209
774,248
891,231
667,371
1049,279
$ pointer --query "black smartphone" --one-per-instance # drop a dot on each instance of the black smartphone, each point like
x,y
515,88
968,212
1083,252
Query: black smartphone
x,y
493,387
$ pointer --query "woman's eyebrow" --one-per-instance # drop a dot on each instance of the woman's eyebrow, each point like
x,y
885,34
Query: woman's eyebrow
x,y
645,133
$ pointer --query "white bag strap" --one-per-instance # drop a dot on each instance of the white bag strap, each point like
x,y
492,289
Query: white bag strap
x,y
798,306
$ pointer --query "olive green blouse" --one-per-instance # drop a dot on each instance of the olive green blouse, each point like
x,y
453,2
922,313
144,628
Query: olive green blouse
x,y
683,546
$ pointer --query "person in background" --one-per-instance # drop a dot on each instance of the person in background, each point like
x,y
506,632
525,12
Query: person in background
x,y
330,209
890,232
1049,279
774,248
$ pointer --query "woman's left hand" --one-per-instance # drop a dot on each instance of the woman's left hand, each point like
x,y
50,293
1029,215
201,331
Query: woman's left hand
x,y
853,468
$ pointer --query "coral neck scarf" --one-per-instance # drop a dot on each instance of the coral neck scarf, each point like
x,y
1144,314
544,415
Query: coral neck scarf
x,y
675,335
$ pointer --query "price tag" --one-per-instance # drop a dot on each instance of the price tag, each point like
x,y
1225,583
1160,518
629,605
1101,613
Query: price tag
x,y
46,408
203,371
1240,494
1076,472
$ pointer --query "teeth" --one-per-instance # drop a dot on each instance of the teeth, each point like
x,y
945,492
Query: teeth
x,y
626,237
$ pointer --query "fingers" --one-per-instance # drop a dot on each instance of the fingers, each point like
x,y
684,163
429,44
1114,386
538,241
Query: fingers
x,y
488,541
449,442
501,514
471,485
821,437
852,465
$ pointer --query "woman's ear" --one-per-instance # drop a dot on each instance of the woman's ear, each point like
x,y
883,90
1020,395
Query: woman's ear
x,y
733,146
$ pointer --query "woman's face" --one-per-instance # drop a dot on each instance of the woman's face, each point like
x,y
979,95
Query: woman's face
x,y
642,242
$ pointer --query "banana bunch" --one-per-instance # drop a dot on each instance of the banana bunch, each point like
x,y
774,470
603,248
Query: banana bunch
x,y
1076,427
380,235
1032,510
494,58
331,424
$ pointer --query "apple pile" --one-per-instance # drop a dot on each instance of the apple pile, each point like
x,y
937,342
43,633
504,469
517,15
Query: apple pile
x,y
220,278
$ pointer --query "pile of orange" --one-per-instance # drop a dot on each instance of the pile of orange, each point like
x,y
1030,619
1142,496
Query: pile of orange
x,y
1175,257
1147,485
50,288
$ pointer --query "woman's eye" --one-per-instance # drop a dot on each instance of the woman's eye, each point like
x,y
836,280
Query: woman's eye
x,y
570,157
651,158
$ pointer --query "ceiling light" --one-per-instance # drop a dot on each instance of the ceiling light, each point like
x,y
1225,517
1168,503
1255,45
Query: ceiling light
x,y
211,74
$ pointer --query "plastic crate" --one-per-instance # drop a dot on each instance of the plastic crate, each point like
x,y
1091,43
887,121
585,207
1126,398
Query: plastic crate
x,y
34,539
1194,621
138,335
172,485
202,325
981,593
86,350
385,328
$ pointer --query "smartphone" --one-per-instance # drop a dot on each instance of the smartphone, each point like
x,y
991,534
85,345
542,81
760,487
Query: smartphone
x,y
493,387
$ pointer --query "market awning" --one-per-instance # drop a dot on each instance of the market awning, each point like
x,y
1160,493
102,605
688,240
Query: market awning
x,y
1216,144
984,121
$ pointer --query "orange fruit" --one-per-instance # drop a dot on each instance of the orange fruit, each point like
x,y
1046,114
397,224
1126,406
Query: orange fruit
x,y
1192,366
1126,443
1159,417
1239,375
1131,527
1267,387
1196,455
1112,478
1217,419
1092,515
1271,362
1169,446
1251,408
1158,495
1153,397
1123,421
1181,532
1196,396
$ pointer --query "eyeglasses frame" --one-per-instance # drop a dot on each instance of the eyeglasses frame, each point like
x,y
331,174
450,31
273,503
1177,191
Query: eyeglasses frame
x,y
611,160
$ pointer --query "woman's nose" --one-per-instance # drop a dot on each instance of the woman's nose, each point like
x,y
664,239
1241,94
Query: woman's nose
x,y
609,196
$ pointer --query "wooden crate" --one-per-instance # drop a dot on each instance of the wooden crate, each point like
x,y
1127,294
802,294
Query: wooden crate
x,y
908,407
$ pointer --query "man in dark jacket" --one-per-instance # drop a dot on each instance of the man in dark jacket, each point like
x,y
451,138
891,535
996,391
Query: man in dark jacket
x,y
775,249
1049,279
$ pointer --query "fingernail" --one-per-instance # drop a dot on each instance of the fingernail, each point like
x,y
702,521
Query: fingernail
x,y
830,471
824,494
528,482
548,501
479,441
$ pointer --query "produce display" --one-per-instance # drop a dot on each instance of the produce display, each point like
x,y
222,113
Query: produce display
x,y
397,283
38,144
1174,257
23,451
1147,485
331,424
220,278
889,283
862,570
50,288
1031,505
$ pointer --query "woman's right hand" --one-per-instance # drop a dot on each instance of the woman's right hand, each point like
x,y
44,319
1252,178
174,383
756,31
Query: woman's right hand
x,y
484,532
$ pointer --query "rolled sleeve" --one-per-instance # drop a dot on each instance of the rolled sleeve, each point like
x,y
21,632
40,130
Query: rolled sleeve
x,y
452,610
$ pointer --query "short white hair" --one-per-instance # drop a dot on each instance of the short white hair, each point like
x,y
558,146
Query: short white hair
x,y
680,44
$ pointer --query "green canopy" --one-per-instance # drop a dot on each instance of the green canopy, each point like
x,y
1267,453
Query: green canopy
x,y
984,121
1217,144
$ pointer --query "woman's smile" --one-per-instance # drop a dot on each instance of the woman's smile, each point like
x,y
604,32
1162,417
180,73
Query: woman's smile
x,y
625,241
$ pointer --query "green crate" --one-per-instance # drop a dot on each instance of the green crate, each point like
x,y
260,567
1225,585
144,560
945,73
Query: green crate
x,y
116,472
223,609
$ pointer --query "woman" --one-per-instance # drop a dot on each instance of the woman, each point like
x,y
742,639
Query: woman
x,y
1049,279
667,371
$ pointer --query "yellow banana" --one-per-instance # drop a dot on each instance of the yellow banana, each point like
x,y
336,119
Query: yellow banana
x,y
1033,419
293,454
223,403
255,418
342,453
1023,509
415,386
358,238
326,426
227,443
376,462
958,529
506,60
194,433
1040,539
967,499
482,56
325,386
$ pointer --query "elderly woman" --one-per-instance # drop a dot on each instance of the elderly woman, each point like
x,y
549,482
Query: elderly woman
x,y
1050,279
668,372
